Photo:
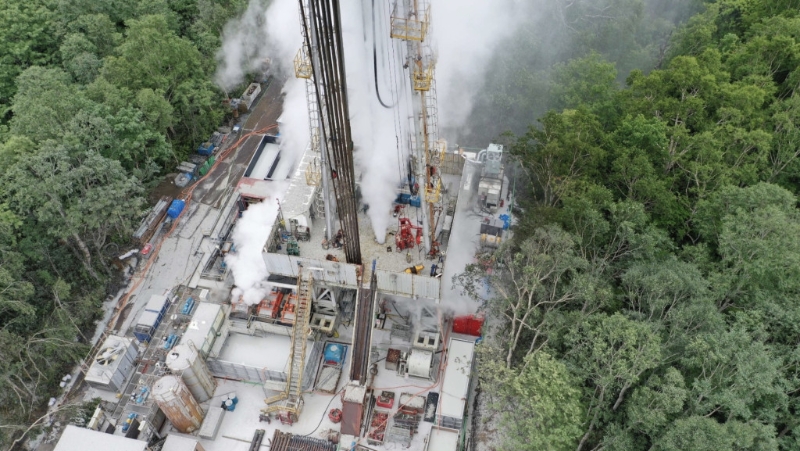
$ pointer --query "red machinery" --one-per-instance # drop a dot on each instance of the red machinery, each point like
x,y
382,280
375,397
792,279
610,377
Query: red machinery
x,y
386,399
377,428
405,238
270,307
335,415
468,324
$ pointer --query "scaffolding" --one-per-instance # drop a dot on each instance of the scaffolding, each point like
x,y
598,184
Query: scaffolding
x,y
411,24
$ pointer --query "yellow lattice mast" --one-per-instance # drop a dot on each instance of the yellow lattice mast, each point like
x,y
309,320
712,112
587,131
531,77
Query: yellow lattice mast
x,y
410,22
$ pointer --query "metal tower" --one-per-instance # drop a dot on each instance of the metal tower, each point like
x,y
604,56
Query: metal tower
x,y
321,62
410,22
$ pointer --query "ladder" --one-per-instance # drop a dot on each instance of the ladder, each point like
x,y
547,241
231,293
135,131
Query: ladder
x,y
290,401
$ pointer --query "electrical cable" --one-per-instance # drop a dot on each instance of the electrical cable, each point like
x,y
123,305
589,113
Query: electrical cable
x,y
401,315
375,60
324,412
123,302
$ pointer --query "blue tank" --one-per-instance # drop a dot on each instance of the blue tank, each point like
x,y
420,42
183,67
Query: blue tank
x,y
334,354
175,208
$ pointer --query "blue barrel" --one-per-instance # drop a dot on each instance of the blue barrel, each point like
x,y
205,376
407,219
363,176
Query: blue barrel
x,y
334,353
175,208
415,201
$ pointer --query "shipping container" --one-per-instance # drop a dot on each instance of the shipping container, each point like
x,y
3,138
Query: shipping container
x,y
468,325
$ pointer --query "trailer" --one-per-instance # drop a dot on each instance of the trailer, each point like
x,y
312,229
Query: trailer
x,y
150,224
153,313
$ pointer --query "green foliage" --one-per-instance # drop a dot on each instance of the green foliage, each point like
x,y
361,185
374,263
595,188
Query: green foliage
x,y
27,37
541,401
677,194
97,97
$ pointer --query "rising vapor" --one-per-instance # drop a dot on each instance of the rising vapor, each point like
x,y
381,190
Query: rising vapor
x,y
247,263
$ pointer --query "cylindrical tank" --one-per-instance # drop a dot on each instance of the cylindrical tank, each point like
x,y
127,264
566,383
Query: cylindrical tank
x,y
186,361
178,404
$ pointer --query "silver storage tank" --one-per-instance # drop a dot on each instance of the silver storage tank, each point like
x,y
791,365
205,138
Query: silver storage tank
x,y
186,361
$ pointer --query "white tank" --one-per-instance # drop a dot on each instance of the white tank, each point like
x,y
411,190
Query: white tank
x,y
178,404
185,360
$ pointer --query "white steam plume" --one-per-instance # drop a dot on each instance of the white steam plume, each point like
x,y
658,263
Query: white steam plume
x,y
247,263
242,49
373,126
466,35
272,33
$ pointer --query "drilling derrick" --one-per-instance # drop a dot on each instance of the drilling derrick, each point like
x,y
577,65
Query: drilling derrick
x,y
410,22
321,62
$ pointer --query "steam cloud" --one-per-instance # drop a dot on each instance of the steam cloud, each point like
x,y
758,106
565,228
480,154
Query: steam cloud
x,y
466,33
374,127
268,33
247,262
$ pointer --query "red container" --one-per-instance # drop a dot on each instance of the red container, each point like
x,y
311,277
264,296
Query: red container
x,y
385,400
468,324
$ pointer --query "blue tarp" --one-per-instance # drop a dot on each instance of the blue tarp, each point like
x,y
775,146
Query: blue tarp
x,y
205,149
334,353
506,221
175,208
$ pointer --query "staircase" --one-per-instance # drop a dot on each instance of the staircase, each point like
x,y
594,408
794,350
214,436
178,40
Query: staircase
x,y
290,401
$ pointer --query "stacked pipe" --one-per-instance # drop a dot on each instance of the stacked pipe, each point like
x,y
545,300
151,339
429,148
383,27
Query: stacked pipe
x,y
287,442
329,75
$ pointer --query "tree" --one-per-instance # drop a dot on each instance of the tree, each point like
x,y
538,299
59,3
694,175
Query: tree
x,y
27,37
654,289
80,199
540,405
566,150
657,404
45,103
611,353
529,281
153,58
735,376
706,434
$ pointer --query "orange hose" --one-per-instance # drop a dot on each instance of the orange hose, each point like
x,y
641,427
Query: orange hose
x,y
187,198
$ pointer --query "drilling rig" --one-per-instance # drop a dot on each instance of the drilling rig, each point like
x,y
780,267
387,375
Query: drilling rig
x,y
320,62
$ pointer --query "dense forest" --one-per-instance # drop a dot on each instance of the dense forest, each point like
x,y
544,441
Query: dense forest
x,y
651,297
97,98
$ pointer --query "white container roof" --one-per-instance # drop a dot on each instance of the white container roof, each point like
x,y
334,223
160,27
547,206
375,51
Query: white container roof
x,y
148,318
456,378
440,440
156,303
178,443
77,439
202,321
